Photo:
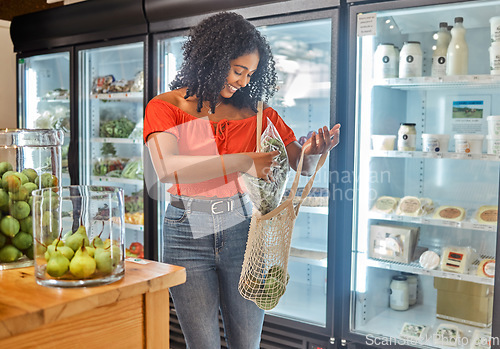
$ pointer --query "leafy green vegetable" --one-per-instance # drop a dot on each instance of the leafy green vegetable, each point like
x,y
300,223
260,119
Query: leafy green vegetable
x,y
119,128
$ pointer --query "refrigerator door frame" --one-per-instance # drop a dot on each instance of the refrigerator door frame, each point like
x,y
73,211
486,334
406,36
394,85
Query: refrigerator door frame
x,y
145,39
334,15
350,127
21,111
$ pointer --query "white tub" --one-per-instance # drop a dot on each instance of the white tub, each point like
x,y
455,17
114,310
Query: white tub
x,y
469,143
493,145
383,142
435,143
494,125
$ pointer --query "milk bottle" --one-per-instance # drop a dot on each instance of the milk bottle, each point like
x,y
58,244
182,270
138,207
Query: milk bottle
x,y
439,54
410,60
458,53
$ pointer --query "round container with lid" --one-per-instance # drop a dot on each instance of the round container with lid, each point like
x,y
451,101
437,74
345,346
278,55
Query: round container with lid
x,y
469,143
495,28
383,142
79,235
399,297
407,137
385,62
494,125
495,58
493,145
410,60
29,160
435,143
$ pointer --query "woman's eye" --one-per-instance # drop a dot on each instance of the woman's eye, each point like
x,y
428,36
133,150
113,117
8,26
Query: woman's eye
x,y
238,73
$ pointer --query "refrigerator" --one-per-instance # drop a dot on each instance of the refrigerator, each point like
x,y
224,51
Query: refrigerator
x,y
44,95
420,276
304,49
110,116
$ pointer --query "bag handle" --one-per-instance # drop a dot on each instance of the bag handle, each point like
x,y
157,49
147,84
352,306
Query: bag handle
x,y
308,186
259,124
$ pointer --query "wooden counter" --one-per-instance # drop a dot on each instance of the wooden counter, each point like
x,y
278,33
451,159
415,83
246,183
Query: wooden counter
x,y
130,313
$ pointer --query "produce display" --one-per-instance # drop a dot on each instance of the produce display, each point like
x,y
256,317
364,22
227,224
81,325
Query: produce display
x,y
74,257
119,168
16,203
118,128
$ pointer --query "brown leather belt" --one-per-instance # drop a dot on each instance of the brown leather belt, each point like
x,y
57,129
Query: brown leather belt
x,y
215,207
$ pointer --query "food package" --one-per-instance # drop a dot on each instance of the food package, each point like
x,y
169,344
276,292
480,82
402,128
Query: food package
x,y
385,204
120,86
457,259
487,214
450,213
138,83
101,84
429,260
414,207
266,196
486,268
481,339
392,242
413,332
447,335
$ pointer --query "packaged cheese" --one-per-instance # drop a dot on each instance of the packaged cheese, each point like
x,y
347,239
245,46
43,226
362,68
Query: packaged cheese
x,y
409,206
450,213
456,259
447,335
385,204
486,268
413,332
481,339
429,260
487,214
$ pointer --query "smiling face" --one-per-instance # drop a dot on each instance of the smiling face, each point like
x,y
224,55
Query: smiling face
x,y
240,73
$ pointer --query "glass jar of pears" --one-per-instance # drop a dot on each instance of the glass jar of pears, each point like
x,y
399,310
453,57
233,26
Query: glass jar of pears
x,y
79,233
29,160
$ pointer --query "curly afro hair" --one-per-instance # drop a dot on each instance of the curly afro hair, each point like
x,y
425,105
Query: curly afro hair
x,y
210,47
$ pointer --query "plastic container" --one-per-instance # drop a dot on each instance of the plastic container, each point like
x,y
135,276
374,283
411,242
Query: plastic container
x,y
495,28
79,235
457,58
469,143
407,135
493,145
410,60
385,62
495,58
400,296
383,142
29,160
494,125
412,287
443,38
435,143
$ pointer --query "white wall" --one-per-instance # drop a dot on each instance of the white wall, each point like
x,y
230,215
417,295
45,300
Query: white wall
x,y
8,117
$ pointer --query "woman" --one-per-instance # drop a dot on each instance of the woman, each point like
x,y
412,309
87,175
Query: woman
x,y
201,136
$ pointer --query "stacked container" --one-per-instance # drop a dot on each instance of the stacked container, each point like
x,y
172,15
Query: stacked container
x,y
493,136
495,46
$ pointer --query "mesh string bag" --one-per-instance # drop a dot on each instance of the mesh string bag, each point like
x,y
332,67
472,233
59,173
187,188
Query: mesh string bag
x,y
264,275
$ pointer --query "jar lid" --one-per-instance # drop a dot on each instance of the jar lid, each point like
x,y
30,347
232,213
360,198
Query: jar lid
x,y
443,25
459,19
412,42
408,124
399,278
386,44
31,137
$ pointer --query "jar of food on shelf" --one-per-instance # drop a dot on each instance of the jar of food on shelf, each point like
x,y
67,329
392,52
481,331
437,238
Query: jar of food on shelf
x,y
410,60
435,143
495,58
407,137
412,287
469,143
385,62
495,28
399,298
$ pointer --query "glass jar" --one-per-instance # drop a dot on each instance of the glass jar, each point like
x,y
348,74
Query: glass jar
x,y
29,160
412,287
79,234
407,135
410,60
399,298
385,62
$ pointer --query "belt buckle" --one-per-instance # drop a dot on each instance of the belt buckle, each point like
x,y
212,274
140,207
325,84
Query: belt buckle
x,y
227,208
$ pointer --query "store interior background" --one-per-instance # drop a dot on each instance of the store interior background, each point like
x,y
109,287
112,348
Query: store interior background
x,y
8,10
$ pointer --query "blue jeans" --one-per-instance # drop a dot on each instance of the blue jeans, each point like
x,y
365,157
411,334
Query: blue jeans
x,y
211,248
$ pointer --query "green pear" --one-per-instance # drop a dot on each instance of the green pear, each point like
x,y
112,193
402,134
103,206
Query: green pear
x,y
58,265
97,242
91,251
103,260
65,250
80,236
82,265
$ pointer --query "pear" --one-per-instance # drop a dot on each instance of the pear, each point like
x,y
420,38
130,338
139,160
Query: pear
x,y
90,250
103,260
58,264
80,236
65,250
97,242
82,265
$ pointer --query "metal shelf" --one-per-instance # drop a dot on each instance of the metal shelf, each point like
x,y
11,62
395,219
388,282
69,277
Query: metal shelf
x,y
117,180
117,140
119,96
445,82
429,155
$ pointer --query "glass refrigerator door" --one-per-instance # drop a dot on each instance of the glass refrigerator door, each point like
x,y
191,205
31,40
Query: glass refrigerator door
x,y
302,52
427,170
44,99
111,119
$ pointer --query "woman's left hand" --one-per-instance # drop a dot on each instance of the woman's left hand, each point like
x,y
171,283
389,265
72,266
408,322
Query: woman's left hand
x,y
322,141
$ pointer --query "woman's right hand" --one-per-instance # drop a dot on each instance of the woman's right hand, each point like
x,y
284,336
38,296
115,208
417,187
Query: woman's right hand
x,y
262,163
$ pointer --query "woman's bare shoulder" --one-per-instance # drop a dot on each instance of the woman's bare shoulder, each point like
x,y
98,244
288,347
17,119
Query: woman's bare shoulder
x,y
175,97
